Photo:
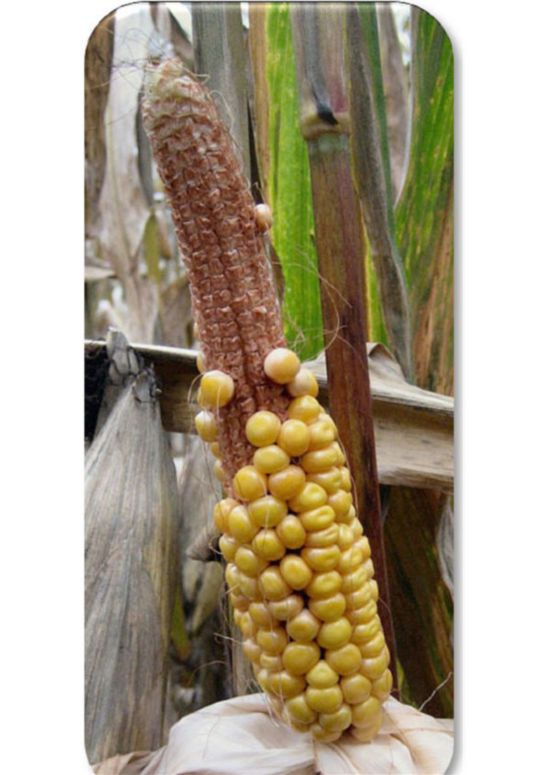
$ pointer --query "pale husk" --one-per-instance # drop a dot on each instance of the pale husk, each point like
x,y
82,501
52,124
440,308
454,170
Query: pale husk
x,y
241,736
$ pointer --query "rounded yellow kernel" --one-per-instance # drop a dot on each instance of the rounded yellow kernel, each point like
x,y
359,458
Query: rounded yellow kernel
x,y
346,479
239,524
299,658
333,635
249,587
356,688
287,483
239,602
322,538
232,577
363,632
330,608
337,721
321,735
346,537
321,676
216,389
317,519
304,408
321,434
272,641
344,660
271,662
340,502
286,684
221,510
341,457
326,417
263,216
286,608
295,724
374,667
330,480
247,561
295,571
294,437
273,586
228,546
246,624
363,614
373,646
350,559
291,532
251,649
267,511
360,597
348,517
215,449
319,459
268,545
262,428
382,686
282,365
206,426
249,483
270,459
219,471
356,525
263,678
303,384
260,614
321,558
363,545
327,700
324,585
368,733
304,627
299,710
364,713
374,587
355,579
311,496
200,364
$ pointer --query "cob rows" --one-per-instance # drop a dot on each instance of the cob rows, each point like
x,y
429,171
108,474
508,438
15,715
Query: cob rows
x,y
298,567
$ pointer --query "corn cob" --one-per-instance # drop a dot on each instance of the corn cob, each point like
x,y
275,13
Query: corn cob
x,y
298,566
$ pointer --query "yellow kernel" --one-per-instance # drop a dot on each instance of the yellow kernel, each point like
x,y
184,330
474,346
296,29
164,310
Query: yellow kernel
x,y
304,408
346,479
249,587
341,457
354,580
319,459
251,649
347,517
267,545
363,614
330,608
270,459
200,365
240,526
360,597
322,538
273,586
310,497
326,700
330,480
321,434
219,471
247,561
355,688
294,437
321,676
364,713
216,389
262,428
286,608
267,511
363,545
356,525
325,417
272,641
271,662
291,532
249,483
324,585
299,658
246,624
239,602
333,635
304,627
260,614
366,734
295,724
363,632
344,660
299,710
317,519
350,559
215,449
346,537
321,735
321,558
374,589
282,365
206,426
340,502
286,684
232,577
221,510
295,571
382,686
303,384
337,721
263,678
263,216
287,483
373,646
374,667
228,546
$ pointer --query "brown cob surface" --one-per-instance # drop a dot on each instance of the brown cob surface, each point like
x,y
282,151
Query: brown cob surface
x,y
298,566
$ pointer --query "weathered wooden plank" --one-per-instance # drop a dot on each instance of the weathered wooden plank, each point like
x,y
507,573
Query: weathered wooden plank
x,y
413,427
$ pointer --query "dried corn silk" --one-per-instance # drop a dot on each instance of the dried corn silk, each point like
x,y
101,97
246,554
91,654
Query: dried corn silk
x,y
298,567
